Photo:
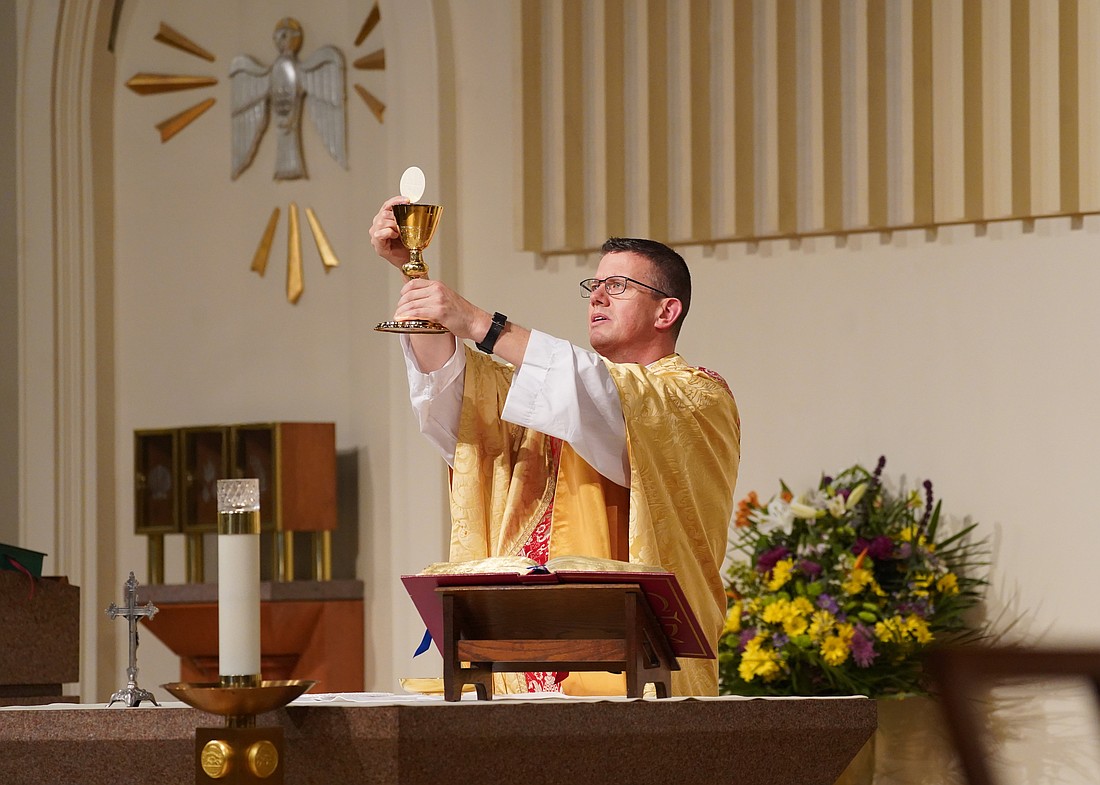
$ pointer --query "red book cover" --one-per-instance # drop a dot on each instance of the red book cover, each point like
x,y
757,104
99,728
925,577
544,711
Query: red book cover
x,y
662,590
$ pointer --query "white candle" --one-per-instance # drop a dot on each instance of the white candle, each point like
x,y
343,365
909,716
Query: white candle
x,y
239,581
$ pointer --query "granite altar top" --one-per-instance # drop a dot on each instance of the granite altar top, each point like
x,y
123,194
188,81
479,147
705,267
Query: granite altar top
x,y
422,740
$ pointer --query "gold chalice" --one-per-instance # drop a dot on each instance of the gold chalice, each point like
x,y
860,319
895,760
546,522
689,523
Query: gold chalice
x,y
416,223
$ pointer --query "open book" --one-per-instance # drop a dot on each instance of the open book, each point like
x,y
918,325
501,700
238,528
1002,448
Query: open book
x,y
661,589
522,565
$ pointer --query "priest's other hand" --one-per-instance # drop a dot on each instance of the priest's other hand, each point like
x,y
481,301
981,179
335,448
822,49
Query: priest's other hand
x,y
384,236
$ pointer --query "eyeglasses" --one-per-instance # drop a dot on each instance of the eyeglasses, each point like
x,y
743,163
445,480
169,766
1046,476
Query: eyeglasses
x,y
613,285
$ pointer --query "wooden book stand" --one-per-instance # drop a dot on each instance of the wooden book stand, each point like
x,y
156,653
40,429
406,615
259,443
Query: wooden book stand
x,y
553,627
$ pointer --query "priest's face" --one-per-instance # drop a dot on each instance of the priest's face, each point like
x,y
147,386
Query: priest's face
x,y
622,327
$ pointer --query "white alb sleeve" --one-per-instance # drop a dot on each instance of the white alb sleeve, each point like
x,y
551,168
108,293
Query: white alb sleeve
x,y
437,398
567,392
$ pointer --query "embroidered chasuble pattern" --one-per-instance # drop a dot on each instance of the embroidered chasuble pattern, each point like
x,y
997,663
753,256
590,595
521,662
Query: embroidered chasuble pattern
x,y
683,437
537,548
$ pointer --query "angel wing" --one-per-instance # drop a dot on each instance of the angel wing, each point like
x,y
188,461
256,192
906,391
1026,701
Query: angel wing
x,y
249,83
323,78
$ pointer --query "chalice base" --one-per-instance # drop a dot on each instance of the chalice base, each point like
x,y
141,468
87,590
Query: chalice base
x,y
411,326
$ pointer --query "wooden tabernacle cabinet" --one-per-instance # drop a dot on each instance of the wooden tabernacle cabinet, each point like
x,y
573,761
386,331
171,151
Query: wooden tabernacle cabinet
x,y
204,461
295,463
175,487
156,481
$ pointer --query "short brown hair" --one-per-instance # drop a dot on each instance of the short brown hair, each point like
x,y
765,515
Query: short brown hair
x,y
670,271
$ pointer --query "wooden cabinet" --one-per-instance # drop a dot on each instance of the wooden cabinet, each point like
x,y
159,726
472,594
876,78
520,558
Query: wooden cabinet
x,y
295,463
175,488
156,482
204,461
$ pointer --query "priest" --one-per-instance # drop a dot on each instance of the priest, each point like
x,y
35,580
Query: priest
x,y
625,452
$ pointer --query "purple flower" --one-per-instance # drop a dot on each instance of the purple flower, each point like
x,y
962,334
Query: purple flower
x,y
743,639
918,607
768,559
863,647
827,603
809,568
927,504
879,548
905,550
779,640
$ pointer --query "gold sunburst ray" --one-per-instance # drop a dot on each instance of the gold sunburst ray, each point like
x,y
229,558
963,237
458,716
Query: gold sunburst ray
x,y
375,105
146,84
263,250
328,258
176,123
294,283
171,37
369,24
375,61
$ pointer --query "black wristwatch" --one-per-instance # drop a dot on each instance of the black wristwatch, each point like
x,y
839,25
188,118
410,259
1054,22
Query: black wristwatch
x,y
490,340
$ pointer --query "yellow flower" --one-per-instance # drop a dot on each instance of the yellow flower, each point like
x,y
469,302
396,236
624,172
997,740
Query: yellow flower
x,y
834,650
909,534
733,618
821,624
846,632
759,661
793,615
776,612
794,624
802,605
891,630
948,584
781,573
918,629
922,583
857,581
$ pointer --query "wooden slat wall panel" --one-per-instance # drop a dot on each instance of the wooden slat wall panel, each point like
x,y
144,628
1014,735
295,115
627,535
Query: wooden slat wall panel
x,y
699,121
973,117
1069,128
531,175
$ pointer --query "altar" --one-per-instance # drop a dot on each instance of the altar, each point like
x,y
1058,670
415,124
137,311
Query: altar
x,y
373,739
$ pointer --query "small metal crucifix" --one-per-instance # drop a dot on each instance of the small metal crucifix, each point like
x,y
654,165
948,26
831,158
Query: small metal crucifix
x,y
132,695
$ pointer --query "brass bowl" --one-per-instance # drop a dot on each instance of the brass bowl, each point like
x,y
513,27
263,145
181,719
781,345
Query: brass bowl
x,y
238,701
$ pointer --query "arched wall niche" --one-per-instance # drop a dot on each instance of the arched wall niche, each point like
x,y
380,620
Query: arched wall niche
x,y
64,187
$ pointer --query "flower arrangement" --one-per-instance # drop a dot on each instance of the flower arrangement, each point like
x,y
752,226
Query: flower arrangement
x,y
840,590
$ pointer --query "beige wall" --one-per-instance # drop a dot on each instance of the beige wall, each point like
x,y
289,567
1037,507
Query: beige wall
x,y
964,356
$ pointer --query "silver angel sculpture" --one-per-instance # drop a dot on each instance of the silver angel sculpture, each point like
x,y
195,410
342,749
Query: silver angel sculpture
x,y
280,90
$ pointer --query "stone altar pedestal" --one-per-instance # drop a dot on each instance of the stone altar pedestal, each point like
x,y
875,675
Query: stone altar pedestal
x,y
308,630
426,741
39,638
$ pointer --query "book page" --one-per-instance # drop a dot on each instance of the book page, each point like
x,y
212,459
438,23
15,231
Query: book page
x,y
568,563
494,564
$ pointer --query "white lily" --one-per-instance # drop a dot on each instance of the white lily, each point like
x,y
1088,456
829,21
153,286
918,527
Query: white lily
x,y
801,510
778,515
856,495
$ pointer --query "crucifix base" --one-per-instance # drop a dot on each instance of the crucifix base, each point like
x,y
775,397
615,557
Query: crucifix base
x,y
132,695
560,627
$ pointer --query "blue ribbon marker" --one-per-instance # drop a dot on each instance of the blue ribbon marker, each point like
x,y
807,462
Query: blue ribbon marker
x,y
424,644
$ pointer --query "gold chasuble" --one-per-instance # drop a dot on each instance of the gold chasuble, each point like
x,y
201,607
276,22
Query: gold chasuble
x,y
683,436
